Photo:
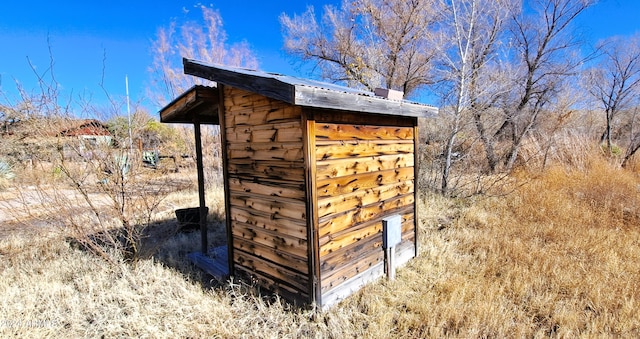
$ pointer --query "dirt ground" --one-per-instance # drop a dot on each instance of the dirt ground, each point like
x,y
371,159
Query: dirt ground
x,y
28,209
18,211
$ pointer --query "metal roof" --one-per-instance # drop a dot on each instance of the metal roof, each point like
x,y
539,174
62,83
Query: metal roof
x,y
306,92
293,90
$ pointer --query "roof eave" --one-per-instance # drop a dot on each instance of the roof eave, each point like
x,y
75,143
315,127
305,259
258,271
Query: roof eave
x,y
267,86
199,104
283,89
323,98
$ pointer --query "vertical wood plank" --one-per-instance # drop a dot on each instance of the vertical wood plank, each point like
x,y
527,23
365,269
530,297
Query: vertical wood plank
x,y
200,169
416,180
225,168
309,128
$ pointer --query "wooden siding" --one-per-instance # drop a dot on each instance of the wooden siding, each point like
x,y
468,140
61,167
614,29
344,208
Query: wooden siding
x,y
266,189
363,173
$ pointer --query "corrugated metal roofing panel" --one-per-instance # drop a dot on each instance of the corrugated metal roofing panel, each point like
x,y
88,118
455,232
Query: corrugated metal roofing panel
x,y
306,92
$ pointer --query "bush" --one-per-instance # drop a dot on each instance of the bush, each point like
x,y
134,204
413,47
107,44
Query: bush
x,y
6,174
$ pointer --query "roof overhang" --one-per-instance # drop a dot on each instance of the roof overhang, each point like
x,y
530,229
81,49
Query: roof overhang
x,y
304,92
198,105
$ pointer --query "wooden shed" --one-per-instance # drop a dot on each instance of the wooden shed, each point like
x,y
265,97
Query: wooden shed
x,y
311,170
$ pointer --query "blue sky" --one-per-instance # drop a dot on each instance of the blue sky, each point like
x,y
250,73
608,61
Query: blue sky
x,y
84,33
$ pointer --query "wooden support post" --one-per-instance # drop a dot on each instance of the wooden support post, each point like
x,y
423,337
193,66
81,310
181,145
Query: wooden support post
x,y
203,209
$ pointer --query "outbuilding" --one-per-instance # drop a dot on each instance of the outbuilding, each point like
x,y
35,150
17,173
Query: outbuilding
x,y
314,175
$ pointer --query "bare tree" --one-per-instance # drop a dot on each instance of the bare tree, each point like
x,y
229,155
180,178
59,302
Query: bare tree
x,y
205,41
472,31
367,43
71,175
544,57
615,81
634,142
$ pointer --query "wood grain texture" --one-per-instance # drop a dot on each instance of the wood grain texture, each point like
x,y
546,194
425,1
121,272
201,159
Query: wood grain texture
x,y
267,191
272,238
333,204
351,183
356,235
284,225
361,132
275,171
276,285
266,151
332,242
277,277
278,254
312,209
328,169
322,116
273,132
339,222
359,262
335,272
339,249
355,149
363,173
285,207
271,115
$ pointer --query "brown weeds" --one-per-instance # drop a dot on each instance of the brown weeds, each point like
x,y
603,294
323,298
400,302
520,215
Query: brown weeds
x,y
558,257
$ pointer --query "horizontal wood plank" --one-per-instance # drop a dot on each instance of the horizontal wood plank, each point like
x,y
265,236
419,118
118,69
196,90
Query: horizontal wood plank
x,y
260,115
278,241
238,100
246,108
332,224
286,190
274,285
327,169
356,149
337,240
275,132
344,250
346,255
356,236
360,198
266,151
277,255
362,132
279,275
355,118
349,287
352,183
289,208
332,276
276,223
277,172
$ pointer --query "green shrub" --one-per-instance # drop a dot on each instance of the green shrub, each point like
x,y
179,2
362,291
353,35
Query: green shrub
x,y
6,173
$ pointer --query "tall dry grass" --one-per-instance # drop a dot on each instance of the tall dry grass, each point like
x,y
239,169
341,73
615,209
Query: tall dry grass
x,y
557,257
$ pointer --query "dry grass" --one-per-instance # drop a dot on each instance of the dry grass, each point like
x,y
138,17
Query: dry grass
x,y
559,257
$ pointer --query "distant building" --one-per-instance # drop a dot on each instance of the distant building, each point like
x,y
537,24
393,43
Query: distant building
x,y
90,135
